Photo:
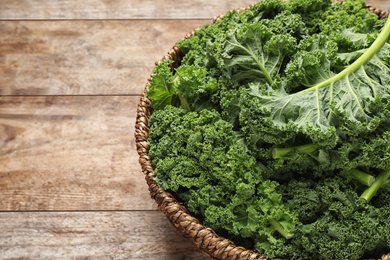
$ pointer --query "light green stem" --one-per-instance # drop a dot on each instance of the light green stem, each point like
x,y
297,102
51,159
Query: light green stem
x,y
362,177
262,68
370,192
378,43
185,104
304,149
276,225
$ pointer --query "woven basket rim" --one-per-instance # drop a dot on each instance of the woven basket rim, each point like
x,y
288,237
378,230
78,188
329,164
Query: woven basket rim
x,y
206,239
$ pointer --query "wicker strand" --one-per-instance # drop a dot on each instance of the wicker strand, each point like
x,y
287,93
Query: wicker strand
x,y
205,238
381,14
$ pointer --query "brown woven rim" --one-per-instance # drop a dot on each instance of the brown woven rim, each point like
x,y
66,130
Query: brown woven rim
x,y
205,238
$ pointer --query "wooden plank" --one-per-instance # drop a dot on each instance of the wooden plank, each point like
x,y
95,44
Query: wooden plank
x,y
92,235
118,9
83,57
70,153
126,9
381,4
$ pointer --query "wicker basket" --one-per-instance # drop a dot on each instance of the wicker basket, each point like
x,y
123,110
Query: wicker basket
x,y
205,238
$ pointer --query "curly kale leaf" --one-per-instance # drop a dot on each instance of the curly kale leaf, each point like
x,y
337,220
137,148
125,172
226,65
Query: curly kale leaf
x,y
198,156
190,87
162,89
296,117
336,223
351,96
253,52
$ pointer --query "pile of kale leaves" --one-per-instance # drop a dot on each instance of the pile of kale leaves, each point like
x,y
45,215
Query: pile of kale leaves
x,y
275,129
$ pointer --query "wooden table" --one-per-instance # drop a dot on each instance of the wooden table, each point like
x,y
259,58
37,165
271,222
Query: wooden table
x,y
71,74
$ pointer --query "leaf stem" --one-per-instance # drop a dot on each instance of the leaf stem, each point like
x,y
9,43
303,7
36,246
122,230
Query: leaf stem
x,y
185,104
278,227
304,149
362,177
183,101
378,43
262,68
370,192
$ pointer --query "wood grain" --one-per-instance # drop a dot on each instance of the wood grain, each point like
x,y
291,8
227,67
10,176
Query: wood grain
x,y
92,235
126,9
83,57
381,4
70,183
70,153
116,9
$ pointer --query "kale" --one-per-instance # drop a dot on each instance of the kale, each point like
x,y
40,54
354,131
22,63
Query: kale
x,y
347,228
275,128
198,156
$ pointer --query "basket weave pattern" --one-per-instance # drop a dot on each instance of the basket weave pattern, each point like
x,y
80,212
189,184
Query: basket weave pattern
x,y
205,238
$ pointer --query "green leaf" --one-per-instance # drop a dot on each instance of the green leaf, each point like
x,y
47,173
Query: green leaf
x,y
349,95
162,91
190,87
254,53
